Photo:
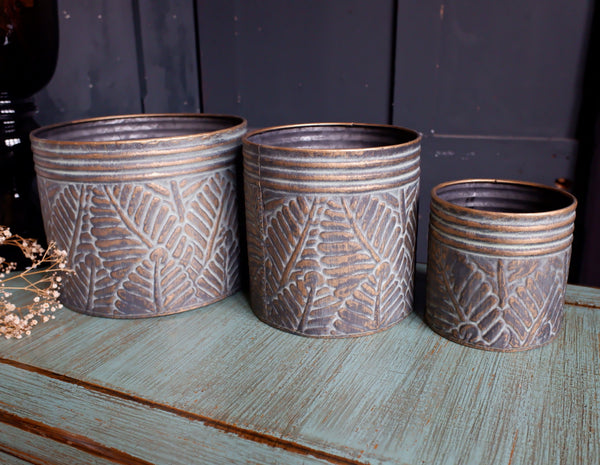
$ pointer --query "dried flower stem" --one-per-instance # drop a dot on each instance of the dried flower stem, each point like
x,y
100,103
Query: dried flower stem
x,y
41,280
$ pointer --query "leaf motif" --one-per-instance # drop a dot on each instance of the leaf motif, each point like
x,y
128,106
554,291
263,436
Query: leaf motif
x,y
384,226
305,297
255,246
460,299
403,299
292,262
493,301
533,313
212,224
158,282
79,290
165,243
332,268
64,208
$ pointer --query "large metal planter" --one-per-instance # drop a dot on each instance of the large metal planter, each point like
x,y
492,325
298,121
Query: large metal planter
x,y
498,262
145,206
331,222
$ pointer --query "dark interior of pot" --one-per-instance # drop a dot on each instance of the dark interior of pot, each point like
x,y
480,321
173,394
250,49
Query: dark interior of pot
x,y
504,197
334,137
137,128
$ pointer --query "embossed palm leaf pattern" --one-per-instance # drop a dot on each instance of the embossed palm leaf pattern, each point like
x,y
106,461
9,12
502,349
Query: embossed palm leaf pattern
x,y
256,258
155,248
67,222
339,265
495,302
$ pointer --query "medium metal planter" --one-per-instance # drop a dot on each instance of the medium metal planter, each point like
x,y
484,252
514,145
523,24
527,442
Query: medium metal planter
x,y
331,222
145,206
498,262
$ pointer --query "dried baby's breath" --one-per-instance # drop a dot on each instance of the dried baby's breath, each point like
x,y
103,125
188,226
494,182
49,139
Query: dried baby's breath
x,y
41,281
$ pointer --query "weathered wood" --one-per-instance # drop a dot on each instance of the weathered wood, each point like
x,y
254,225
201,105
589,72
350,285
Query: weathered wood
x,y
583,296
97,70
33,448
507,69
169,57
297,62
216,384
8,459
120,427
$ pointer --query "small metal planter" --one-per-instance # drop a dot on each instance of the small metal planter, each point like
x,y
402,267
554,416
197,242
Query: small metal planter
x,y
145,206
331,222
498,262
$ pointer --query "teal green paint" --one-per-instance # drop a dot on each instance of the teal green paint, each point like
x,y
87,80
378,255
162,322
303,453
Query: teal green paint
x,y
404,395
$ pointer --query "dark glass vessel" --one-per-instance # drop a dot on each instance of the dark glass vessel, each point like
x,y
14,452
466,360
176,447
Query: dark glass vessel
x,y
28,54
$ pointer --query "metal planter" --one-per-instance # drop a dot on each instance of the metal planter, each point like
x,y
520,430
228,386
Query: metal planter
x,y
145,206
331,222
498,262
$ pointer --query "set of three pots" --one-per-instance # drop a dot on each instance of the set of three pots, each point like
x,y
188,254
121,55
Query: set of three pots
x,y
148,209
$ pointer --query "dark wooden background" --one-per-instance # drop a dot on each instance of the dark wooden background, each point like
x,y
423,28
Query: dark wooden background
x,y
494,87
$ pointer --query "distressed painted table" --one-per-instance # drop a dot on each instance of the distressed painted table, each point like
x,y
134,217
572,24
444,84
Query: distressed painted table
x,y
215,385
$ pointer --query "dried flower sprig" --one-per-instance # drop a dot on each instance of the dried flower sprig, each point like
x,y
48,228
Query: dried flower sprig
x,y
42,280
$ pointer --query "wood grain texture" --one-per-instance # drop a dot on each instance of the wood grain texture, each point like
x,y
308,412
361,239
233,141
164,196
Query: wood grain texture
x,y
583,296
6,458
142,432
279,63
170,59
488,69
216,382
39,444
97,70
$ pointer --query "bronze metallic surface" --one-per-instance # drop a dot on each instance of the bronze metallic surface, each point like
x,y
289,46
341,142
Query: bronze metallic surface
x,y
331,222
145,206
498,262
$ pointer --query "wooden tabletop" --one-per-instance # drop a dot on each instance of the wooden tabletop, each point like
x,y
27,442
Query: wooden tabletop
x,y
216,385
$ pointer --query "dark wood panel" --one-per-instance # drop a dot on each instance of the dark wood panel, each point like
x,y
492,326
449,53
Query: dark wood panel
x,y
512,67
418,47
97,71
283,62
501,68
170,65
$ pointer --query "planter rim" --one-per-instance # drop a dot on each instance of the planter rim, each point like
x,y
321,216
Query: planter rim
x,y
246,139
499,215
36,135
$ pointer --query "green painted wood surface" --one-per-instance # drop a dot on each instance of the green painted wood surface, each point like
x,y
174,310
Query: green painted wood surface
x,y
6,459
33,448
216,385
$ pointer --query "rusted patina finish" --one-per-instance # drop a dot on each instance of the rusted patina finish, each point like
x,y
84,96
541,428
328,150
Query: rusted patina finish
x,y
498,262
146,207
331,222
